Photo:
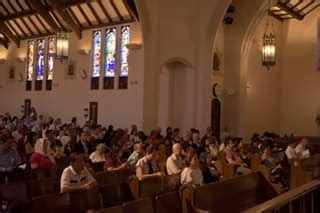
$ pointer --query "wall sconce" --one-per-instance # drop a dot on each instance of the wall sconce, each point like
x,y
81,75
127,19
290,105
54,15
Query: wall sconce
x,y
62,45
84,52
134,46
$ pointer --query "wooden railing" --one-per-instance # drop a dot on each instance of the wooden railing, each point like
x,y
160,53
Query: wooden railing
x,y
303,199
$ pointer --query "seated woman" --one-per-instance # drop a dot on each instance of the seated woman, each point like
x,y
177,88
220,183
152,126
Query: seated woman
x,y
76,176
147,166
192,174
41,158
233,159
301,149
113,163
99,155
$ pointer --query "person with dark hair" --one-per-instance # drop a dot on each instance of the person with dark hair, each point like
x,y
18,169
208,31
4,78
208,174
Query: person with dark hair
x,y
192,174
83,146
76,176
147,166
176,136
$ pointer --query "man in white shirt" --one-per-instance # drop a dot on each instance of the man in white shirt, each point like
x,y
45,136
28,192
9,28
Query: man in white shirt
x,y
301,149
290,151
175,162
76,176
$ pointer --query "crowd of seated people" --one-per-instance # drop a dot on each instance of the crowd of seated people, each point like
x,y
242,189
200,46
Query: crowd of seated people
x,y
40,141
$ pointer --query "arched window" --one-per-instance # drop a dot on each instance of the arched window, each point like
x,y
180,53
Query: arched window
x,y
40,69
51,55
96,59
30,64
124,53
110,58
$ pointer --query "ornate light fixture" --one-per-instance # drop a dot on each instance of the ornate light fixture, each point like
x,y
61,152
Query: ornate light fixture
x,y
62,45
269,45
269,50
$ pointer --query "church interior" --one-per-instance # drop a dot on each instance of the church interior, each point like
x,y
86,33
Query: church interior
x,y
159,106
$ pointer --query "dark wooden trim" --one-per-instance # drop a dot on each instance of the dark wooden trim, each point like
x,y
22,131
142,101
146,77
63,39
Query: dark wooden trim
x,y
114,6
94,12
105,12
84,15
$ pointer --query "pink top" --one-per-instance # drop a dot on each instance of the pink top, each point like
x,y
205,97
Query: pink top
x,y
43,162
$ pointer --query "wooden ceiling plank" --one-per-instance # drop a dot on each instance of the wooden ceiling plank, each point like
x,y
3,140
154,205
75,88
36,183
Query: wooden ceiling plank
x,y
115,8
94,12
4,7
75,17
58,21
6,32
129,4
111,24
13,29
12,7
27,26
61,9
34,25
42,24
84,15
43,12
105,12
294,14
20,28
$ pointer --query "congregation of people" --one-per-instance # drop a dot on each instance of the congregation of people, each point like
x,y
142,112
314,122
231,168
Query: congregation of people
x,y
37,142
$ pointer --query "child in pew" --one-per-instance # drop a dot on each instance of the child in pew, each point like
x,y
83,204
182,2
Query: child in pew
x,y
192,174
76,176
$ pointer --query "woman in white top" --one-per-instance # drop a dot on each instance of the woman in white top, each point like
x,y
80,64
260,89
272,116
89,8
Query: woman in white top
x,y
192,174
290,151
301,149
99,155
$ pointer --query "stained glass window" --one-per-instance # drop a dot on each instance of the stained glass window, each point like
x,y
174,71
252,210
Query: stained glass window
x,y
40,59
30,60
96,57
124,51
110,53
51,54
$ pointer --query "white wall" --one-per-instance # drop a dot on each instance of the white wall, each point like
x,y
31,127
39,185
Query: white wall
x,y
70,95
300,80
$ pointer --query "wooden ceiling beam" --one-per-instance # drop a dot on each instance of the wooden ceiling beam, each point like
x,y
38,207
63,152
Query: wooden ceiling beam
x,y
61,9
131,7
105,12
94,12
290,11
43,12
114,6
7,33
4,42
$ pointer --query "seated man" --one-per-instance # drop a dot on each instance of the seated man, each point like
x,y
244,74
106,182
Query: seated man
x,y
175,162
9,156
147,167
301,149
76,176
135,156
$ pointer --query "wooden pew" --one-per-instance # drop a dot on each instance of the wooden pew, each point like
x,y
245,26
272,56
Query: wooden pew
x,y
243,192
115,194
114,209
168,202
97,167
228,170
43,187
15,195
84,200
299,175
114,177
144,205
151,187
52,203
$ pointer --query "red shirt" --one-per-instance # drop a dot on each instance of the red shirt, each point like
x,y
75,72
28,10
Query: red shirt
x,y
43,162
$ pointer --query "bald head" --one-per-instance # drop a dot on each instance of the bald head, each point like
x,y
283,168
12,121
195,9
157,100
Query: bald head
x,y
176,149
